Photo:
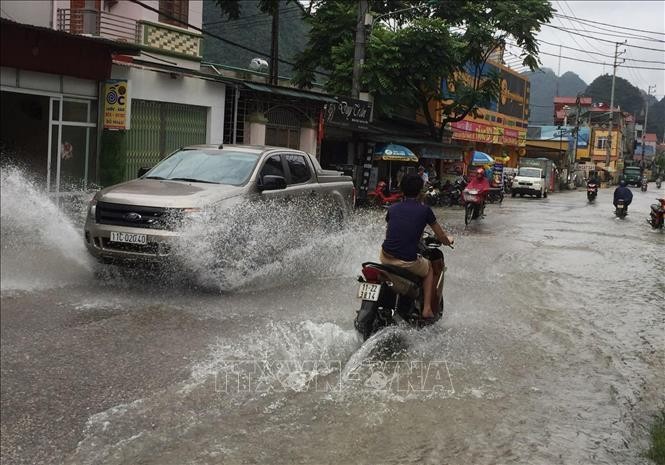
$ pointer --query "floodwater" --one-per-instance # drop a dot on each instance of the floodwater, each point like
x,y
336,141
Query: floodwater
x,y
552,350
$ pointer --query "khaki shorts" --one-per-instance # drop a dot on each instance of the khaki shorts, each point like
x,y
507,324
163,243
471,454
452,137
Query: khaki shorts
x,y
419,267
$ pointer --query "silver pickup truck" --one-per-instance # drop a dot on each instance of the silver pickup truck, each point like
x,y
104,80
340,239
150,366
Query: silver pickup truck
x,y
139,219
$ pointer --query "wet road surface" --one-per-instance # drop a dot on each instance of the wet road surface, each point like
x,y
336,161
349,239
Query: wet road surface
x,y
552,350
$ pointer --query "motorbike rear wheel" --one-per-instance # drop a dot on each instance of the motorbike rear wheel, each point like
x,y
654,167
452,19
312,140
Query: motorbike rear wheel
x,y
366,318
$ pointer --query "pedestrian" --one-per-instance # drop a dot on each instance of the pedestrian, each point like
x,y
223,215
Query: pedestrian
x,y
423,175
399,176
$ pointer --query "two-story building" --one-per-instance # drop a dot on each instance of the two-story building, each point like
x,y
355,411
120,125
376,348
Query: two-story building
x,y
151,98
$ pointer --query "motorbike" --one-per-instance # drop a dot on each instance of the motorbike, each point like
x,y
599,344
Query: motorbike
x,y
591,191
391,295
495,195
659,182
381,197
621,209
657,216
643,186
454,193
508,185
474,206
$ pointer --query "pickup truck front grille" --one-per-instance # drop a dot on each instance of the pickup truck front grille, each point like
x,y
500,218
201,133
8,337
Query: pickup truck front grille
x,y
151,248
134,216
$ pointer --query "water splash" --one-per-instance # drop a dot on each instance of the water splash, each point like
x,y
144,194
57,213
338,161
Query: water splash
x,y
41,246
255,245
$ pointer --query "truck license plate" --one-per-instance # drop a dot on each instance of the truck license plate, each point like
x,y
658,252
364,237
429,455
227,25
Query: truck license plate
x,y
129,238
369,291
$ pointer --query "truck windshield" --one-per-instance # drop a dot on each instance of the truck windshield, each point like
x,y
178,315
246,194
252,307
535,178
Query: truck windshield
x,y
529,172
207,166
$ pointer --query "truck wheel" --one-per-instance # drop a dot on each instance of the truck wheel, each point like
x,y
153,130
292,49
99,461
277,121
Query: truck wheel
x,y
539,195
545,194
513,194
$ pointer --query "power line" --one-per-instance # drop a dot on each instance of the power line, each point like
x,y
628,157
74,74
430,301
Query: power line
x,y
621,36
254,17
595,53
574,18
611,32
222,39
599,63
575,40
601,40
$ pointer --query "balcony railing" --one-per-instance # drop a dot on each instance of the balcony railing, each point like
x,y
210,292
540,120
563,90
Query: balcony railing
x,y
151,35
99,24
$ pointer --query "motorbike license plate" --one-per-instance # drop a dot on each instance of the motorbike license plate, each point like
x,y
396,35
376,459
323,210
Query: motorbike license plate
x,y
369,291
620,207
129,238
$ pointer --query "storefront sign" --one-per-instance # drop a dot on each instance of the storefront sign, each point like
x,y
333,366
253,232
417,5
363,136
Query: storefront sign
x,y
116,104
348,113
441,153
466,130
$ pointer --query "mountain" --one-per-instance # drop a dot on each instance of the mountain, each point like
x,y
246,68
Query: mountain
x,y
626,96
656,119
544,84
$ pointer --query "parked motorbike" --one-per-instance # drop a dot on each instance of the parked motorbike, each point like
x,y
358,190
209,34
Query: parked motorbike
x,y
454,193
495,195
381,197
508,184
657,216
591,191
474,206
392,295
621,209
643,186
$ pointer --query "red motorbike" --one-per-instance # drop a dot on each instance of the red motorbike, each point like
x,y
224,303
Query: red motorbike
x,y
657,213
381,196
474,204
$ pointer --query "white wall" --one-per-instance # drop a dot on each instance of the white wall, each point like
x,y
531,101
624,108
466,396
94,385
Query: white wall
x,y
132,10
37,13
161,87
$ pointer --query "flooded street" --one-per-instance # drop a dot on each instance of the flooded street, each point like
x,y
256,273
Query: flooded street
x,y
552,349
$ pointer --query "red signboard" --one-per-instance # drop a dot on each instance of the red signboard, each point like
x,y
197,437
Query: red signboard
x,y
467,130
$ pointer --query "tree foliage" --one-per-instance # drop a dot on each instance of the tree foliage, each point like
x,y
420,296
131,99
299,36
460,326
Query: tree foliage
x,y
626,96
409,57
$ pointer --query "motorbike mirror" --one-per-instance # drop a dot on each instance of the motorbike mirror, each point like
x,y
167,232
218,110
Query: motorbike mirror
x,y
271,182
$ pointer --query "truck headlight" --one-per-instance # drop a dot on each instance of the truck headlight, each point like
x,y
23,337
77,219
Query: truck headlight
x,y
92,208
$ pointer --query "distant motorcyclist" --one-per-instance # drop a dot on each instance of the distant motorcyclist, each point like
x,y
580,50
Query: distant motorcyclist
x,y
593,179
623,193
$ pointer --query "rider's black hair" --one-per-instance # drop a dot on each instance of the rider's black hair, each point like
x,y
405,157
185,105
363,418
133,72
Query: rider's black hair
x,y
411,185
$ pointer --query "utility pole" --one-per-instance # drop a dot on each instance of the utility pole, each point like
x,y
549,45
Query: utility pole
x,y
558,73
646,118
614,75
274,47
359,51
577,128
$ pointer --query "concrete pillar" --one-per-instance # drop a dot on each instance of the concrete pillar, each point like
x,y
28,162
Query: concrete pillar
x,y
308,140
257,128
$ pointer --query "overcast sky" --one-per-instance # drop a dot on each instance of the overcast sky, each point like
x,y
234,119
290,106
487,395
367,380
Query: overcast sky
x,y
643,15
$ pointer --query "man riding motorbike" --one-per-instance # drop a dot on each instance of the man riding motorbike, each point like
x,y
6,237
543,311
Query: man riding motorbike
x,y
622,192
406,223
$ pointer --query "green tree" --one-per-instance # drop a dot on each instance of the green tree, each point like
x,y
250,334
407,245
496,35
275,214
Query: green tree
x,y
432,42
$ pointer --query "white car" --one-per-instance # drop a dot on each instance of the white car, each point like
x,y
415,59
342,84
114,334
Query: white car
x,y
530,181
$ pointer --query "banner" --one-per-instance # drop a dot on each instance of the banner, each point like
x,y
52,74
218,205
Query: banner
x,y
467,130
348,113
116,104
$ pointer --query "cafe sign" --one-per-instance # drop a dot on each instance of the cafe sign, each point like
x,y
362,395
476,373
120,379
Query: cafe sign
x,y
116,104
348,113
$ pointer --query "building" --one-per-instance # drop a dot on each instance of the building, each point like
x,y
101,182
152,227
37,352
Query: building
x,y
155,99
564,106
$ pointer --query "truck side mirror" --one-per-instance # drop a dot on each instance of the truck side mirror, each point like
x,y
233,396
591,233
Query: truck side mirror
x,y
542,175
142,170
271,182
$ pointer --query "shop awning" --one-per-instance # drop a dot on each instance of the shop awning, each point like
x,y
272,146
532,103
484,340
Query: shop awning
x,y
287,92
394,152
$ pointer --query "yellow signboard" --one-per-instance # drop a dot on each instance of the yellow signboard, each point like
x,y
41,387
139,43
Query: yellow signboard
x,y
116,104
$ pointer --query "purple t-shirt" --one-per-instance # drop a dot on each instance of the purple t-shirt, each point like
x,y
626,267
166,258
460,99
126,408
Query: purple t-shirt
x,y
406,223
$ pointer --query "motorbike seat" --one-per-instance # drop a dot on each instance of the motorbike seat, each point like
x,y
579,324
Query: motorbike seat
x,y
396,270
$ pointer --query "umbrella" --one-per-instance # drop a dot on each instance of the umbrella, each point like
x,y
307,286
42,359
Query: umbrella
x,y
481,158
391,153
394,152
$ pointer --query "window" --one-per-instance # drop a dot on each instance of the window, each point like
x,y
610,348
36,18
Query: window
x,y
601,143
175,12
298,168
273,166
